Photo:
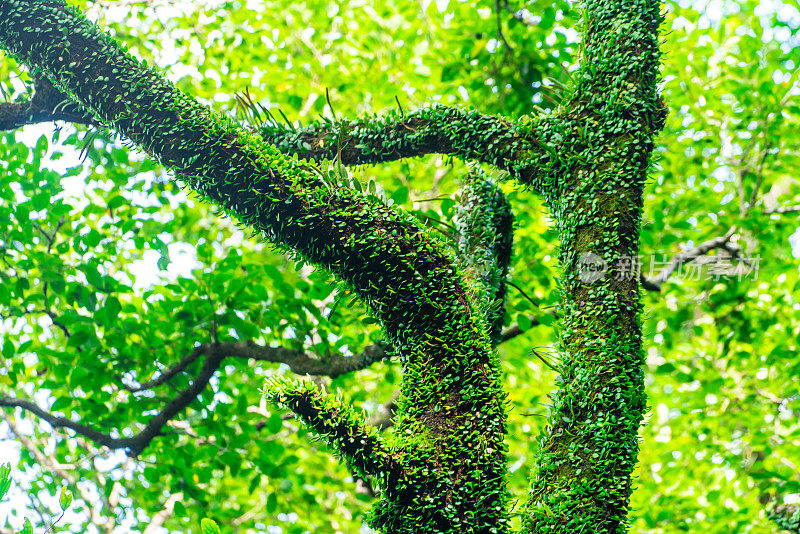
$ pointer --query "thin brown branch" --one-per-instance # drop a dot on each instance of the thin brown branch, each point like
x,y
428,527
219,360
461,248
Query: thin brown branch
x,y
300,362
167,375
759,177
54,318
500,33
93,513
137,443
519,16
514,330
165,513
529,299
688,256
781,210
297,360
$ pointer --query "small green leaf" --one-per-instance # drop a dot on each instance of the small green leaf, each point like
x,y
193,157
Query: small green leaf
x,y
163,261
274,423
8,349
208,526
5,479
180,509
65,499
272,503
112,308
400,196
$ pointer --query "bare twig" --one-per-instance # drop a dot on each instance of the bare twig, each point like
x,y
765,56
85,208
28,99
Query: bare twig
x,y
137,443
167,375
160,517
515,286
722,242
500,33
781,210
299,361
94,514
518,15
759,176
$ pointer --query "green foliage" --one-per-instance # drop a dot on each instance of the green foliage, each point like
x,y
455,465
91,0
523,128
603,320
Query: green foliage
x,y
64,499
5,479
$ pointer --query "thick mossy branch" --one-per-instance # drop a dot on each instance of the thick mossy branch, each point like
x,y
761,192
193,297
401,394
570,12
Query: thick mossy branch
x,y
589,448
451,418
341,427
485,226
517,148
786,516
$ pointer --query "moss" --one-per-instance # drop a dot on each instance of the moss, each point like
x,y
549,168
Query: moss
x,y
484,222
588,451
516,148
787,517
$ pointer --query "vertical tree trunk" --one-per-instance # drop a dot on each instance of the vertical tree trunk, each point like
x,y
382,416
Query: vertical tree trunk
x,y
602,138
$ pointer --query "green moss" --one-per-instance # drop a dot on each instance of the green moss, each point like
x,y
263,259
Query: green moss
x,y
787,517
436,129
484,222
588,451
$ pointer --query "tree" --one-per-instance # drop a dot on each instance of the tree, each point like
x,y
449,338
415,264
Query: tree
x,y
603,129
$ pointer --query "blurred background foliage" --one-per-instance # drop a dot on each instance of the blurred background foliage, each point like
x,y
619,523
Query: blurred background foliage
x,y
100,244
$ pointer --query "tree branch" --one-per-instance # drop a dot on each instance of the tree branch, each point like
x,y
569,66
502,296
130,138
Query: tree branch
x,y
499,18
137,443
485,244
342,428
47,104
168,374
520,15
688,256
299,361
436,129
582,478
759,177
162,515
782,209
